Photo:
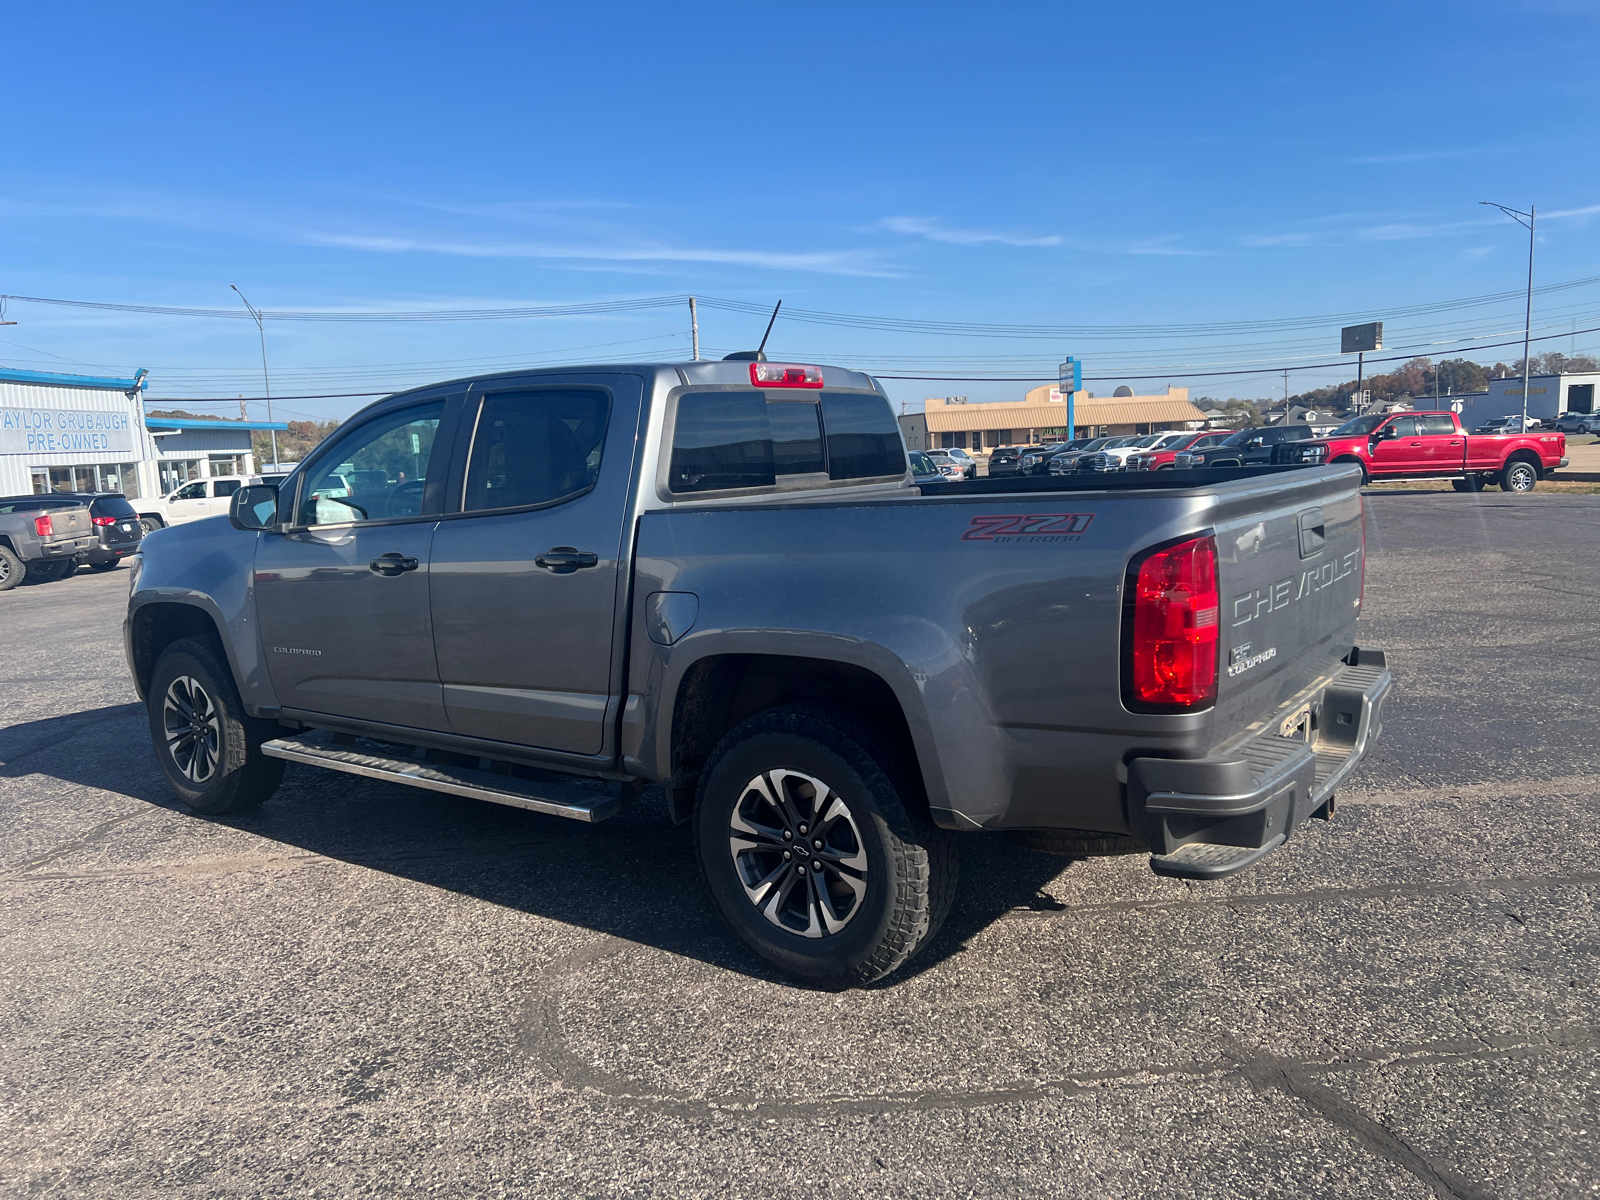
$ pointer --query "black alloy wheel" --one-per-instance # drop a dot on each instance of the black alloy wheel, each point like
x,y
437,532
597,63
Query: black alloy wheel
x,y
799,854
192,726
1519,476
208,747
812,851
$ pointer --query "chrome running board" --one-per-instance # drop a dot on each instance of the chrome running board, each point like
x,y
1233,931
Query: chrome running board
x,y
317,749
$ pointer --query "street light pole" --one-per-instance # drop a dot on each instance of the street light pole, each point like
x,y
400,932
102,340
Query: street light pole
x,y
1525,219
265,378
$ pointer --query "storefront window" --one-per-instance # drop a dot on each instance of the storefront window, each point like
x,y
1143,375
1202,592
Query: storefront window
x,y
41,481
178,471
227,464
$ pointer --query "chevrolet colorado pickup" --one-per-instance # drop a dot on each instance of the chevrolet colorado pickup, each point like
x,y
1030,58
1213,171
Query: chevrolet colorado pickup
x,y
41,538
1388,446
549,589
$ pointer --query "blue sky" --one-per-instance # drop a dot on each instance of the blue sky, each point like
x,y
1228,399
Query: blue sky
x,y
1063,165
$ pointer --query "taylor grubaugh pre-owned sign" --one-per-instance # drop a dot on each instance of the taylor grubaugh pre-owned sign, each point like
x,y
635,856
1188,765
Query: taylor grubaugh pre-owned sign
x,y
63,430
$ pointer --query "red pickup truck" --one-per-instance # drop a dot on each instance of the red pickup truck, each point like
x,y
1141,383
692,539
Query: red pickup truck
x,y
1434,446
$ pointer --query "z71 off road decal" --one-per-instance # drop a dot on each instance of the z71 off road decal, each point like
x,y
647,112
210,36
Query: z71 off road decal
x,y
1030,527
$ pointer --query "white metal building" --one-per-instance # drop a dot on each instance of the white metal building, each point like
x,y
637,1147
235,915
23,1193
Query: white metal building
x,y
88,433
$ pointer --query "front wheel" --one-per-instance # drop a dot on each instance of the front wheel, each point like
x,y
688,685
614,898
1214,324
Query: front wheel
x,y
208,747
150,524
813,852
1519,477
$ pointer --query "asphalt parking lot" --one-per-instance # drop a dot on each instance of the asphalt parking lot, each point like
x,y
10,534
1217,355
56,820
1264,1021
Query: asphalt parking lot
x,y
369,990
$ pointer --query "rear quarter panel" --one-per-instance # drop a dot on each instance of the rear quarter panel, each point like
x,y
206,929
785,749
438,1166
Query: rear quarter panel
x,y
995,620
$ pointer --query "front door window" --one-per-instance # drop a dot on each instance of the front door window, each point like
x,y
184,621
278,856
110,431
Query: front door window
x,y
343,600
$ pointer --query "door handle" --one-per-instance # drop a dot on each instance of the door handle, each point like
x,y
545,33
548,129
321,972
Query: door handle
x,y
1414,445
392,564
1455,441
564,560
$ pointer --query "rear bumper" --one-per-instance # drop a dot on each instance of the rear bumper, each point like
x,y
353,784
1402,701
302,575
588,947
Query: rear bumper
x,y
1208,817
68,547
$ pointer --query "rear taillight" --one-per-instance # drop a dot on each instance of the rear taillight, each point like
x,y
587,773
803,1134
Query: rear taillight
x,y
770,374
104,520
1172,636
44,526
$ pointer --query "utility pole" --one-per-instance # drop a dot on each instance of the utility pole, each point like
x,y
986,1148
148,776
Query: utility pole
x,y
694,329
1525,219
265,378
1285,392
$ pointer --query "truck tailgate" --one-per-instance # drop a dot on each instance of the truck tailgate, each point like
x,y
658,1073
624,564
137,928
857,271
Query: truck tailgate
x,y
69,523
1289,568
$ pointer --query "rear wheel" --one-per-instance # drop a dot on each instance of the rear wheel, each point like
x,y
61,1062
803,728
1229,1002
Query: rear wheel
x,y
813,852
106,566
208,748
40,571
1519,476
11,569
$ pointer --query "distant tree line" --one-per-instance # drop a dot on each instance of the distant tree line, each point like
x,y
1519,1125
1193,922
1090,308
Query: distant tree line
x,y
1421,377
294,443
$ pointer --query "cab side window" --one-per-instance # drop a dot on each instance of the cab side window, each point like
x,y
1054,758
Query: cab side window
x,y
1405,427
1436,425
375,471
536,447
225,487
195,491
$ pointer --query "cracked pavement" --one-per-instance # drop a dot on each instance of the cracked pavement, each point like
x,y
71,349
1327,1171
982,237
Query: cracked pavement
x,y
365,989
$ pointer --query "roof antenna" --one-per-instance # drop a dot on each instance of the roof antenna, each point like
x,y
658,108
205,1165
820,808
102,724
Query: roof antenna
x,y
759,354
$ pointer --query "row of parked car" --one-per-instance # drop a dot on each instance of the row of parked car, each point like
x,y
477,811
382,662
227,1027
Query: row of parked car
x,y
47,538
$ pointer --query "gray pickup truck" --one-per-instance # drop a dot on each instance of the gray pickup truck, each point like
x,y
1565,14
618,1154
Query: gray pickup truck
x,y
40,539
549,589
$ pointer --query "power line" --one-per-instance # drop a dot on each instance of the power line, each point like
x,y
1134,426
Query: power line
x,y
815,316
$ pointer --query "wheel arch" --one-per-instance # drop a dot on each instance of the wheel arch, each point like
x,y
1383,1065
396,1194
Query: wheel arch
x,y
721,691
156,624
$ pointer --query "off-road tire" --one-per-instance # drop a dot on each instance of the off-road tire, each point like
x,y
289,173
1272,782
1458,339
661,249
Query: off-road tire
x,y
912,864
1519,476
12,572
243,777
1077,843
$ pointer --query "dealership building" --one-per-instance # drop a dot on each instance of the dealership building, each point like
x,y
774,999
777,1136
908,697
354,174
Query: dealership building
x,y
952,422
89,433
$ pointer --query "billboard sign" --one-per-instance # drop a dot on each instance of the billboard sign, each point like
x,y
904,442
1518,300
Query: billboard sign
x,y
1358,339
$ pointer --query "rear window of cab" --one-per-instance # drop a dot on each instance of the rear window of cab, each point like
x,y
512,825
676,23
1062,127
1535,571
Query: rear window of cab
x,y
731,439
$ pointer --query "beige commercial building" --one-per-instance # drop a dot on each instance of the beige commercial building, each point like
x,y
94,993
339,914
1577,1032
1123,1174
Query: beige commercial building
x,y
951,422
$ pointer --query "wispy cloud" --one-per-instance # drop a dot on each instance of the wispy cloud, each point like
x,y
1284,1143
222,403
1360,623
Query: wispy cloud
x,y
1416,156
935,230
1163,246
1587,211
831,262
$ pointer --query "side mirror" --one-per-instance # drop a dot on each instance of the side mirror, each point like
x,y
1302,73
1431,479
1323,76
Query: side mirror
x,y
254,507
1258,440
